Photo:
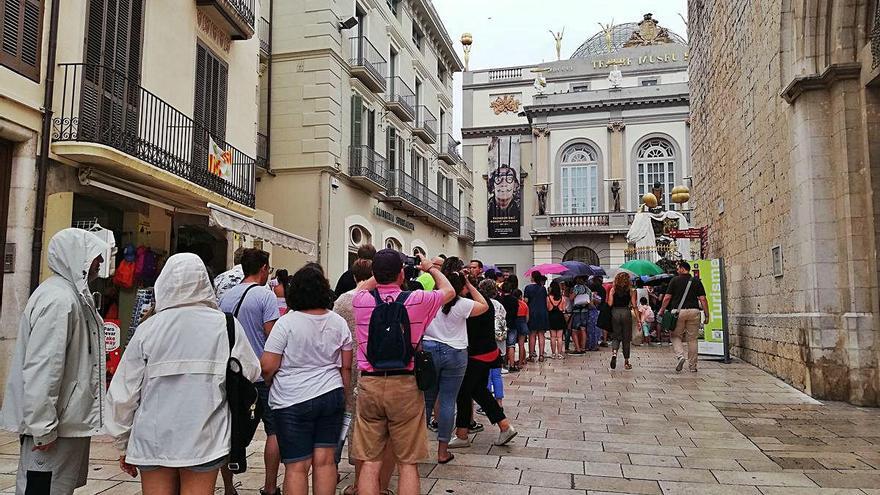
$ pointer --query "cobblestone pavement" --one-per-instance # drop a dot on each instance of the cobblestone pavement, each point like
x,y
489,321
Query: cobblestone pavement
x,y
583,429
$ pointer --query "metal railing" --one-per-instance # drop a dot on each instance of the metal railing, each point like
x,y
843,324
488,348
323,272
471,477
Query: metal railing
x,y
101,105
364,54
263,151
265,41
468,228
416,193
449,146
426,121
244,9
406,187
399,92
365,162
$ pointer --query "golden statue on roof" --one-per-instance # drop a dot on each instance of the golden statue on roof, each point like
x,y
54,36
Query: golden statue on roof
x,y
649,33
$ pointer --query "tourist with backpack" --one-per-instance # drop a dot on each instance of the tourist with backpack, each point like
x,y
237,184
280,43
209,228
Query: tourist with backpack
x,y
390,405
254,305
172,382
307,360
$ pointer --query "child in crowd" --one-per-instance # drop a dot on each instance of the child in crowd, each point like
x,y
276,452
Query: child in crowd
x,y
646,318
522,323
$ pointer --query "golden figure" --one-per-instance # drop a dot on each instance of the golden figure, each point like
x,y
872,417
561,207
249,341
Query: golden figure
x,y
466,41
558,38
608,30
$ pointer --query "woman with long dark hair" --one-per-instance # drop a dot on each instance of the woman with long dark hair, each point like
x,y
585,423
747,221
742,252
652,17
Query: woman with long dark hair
x,y
483,355
623,303
446,338
536,296
556,305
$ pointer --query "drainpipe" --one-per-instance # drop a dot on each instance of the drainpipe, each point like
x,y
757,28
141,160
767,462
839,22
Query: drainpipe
x,y
43,157
269,95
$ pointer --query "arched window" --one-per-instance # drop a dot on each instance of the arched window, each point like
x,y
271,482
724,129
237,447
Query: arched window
x,y
392,243
357,236
580,179
582,254
655,163
417,250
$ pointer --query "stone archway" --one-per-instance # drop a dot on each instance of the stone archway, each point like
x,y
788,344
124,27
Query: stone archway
x,y
582,254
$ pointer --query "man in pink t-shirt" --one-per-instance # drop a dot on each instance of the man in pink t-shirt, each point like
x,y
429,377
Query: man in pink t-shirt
x,y
390,406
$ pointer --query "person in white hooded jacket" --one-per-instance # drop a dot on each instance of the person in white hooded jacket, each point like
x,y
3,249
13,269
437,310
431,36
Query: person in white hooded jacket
x,y
55,386
166,406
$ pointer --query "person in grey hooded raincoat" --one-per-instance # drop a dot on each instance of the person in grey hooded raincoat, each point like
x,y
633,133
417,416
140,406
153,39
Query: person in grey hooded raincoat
x,y
55,387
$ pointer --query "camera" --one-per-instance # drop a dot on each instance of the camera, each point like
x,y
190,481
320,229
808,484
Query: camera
x,y
410,261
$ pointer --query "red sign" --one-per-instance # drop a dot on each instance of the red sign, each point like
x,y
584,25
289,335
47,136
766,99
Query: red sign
x,y
696,233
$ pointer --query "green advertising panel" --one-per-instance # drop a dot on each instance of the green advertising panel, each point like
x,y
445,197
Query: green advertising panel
x,y
711,340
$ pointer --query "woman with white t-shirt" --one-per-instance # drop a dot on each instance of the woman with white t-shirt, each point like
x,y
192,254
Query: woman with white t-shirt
x,y
446,340
307,360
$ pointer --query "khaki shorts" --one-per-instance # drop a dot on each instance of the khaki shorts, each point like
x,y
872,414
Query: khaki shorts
x,y
57,471
391,409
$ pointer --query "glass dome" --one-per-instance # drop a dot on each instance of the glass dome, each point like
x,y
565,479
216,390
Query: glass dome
x,y
620,34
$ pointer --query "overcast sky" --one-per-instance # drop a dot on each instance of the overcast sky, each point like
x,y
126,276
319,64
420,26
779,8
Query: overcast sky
x,y
515,32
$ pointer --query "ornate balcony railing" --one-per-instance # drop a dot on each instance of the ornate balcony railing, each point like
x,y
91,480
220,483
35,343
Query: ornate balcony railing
x,y
579,220
263,151
468,229
422,198
400,98
364,55
265,40
426,124
364,162
449,149
237,16
101,105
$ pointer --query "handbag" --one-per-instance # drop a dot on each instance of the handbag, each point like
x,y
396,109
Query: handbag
x,y
244,406
426,373
670,318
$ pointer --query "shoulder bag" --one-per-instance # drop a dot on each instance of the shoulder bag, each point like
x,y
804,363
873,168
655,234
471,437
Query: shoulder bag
x,y
426,373
244,406
670,318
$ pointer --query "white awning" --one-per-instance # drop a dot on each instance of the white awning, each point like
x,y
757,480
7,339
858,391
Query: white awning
x,y
240,224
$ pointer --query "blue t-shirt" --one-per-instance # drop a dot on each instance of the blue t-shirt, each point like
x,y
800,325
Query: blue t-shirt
x,y
259,307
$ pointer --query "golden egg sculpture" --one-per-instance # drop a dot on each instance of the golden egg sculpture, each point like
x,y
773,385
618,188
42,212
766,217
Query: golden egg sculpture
x,y
467,39
680,194
649,200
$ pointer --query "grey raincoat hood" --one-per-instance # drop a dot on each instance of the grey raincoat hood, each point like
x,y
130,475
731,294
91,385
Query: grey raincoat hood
x,y
56,380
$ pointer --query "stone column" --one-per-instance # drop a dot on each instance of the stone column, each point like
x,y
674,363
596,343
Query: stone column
x,y
617,169
542,158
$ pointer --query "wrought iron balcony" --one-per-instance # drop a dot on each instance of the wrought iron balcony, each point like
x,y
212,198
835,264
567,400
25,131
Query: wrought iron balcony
x,y
262,151
367,168
367,64
265,39
468,229
101,105
400,99
414,196
236,17
425,125
449,149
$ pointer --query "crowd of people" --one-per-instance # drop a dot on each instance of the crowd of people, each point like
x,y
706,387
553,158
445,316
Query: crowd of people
x,y
401,346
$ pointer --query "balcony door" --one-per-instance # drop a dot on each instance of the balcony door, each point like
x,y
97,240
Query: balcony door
x,y
111,76
209,108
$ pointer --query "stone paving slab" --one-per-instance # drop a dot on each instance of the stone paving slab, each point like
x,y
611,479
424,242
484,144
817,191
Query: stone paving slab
x,y
587,430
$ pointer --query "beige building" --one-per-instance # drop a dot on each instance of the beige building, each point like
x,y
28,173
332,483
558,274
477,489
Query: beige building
x,y
144,94
360,130
785,148
589,136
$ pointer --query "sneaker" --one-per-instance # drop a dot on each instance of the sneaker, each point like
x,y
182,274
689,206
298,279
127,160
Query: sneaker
x,y
504,371
481,412
680,365
459,443
505,436
692,370
433,426
613,361
475,427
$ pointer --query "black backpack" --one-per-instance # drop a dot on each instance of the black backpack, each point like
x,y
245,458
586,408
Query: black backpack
x,y
244,406
389,343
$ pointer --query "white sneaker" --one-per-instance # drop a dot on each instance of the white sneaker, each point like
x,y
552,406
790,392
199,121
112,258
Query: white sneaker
x,y
504,437
680,364
458,443
504,371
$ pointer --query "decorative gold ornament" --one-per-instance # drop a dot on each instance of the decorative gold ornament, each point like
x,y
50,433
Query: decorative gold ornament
x,y
649,200
558,38
505,104
608,30
649,33
680,194
467,40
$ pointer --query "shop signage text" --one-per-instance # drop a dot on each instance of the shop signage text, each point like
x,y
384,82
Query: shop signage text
x,y
392,218
642,60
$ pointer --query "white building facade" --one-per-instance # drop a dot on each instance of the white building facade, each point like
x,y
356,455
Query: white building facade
x,y
591,142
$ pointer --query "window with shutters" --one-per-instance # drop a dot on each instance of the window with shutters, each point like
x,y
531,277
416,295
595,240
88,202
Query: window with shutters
x,y
371,129
391,149
22,27
357,120
209,110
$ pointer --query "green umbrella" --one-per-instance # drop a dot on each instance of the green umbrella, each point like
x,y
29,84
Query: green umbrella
x,y
641,267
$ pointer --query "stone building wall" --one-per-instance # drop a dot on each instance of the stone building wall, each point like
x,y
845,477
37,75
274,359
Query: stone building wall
x,y
779,101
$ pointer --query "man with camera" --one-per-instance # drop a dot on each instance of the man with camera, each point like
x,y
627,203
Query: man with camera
x,y
391,408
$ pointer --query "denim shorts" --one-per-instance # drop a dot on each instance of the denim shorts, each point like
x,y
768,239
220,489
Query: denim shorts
x,y
520,328
201,468
315,423
268,417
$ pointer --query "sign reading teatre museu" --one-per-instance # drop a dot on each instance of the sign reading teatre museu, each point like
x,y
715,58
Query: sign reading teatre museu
x,y
641,60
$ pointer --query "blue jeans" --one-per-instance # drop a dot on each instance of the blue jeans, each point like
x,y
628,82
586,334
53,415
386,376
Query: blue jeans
x,y
496,384
450,364
304,427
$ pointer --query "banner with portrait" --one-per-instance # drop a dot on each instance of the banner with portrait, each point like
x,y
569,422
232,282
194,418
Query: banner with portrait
x,y
504,187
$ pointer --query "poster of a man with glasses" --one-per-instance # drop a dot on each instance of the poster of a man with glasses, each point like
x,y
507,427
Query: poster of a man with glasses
x,y
505,190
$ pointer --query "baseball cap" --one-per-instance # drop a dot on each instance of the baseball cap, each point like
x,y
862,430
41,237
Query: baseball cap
x,y
387,263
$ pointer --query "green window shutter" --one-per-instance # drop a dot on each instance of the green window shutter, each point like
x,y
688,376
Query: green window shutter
x,y
357,104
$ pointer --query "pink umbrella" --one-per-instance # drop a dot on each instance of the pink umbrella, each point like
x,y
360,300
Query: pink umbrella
x,y
547,269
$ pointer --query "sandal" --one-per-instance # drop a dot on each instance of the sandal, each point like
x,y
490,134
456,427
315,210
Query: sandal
x,y
448,459
349,490
627,366
541,359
